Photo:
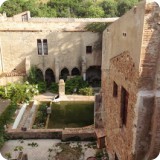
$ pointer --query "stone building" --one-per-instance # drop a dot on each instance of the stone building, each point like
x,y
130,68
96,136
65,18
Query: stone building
x,y
58,47
131,84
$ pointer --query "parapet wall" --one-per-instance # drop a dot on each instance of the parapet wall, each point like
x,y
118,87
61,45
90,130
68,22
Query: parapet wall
x,y
72,20
67,134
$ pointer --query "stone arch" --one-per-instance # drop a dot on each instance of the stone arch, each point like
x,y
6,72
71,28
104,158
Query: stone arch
x,y
39,75
75,72
93,76
64,73
49,76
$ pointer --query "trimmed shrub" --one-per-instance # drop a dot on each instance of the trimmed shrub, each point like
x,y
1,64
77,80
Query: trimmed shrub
x,y
53,88
41,116
86,91
75,83
42,87
19,93
5,118
34,76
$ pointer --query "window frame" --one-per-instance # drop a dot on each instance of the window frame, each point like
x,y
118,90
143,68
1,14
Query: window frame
x,y
42,47
89,49
124,106
115,89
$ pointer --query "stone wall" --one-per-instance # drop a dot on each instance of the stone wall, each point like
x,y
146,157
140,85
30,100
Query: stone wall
x,y
6,80
119,137
62,47
66,38
36,134
67,134
149,110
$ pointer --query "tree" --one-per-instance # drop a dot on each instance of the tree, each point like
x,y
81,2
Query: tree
x,y
124,5
95,12
109,7
68,8
12,7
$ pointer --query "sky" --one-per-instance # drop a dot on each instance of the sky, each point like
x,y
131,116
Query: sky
x,y
1,1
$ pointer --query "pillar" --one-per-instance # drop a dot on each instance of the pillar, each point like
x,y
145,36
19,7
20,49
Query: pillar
x,y
61,88
84,68
57,70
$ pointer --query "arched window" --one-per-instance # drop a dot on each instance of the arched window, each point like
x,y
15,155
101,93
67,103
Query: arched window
x,y
93,76
39,75
49,76
64,73
75,72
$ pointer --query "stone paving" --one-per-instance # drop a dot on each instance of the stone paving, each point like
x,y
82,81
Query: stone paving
x,y
50,97
41,152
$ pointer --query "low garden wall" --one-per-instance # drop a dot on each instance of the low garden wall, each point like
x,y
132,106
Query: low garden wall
x,y
79,134
74,134
35,134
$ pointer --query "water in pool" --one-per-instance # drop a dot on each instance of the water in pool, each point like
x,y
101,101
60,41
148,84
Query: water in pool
x,y
71,114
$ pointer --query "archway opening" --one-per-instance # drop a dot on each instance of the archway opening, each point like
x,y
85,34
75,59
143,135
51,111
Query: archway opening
x,y
64,74
93,76
49,77
75,72
39,75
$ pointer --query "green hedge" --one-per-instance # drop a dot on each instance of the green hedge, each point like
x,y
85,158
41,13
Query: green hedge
x,y
17,93
88,91
75,83
5,118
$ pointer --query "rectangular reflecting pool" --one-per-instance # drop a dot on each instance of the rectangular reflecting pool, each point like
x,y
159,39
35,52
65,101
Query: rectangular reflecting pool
x,y
71,114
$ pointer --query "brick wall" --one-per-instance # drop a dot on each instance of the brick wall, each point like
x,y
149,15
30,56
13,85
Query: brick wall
x,y
123,73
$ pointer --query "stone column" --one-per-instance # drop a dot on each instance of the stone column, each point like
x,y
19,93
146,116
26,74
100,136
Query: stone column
x,y
84,68
61,88
27,64
56,70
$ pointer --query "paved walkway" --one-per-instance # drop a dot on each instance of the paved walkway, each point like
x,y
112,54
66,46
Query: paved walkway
x,y
41,152
50,96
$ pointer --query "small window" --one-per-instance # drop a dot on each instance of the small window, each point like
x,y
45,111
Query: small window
x,y
39,46
115,89
45,47
124,105
24,18
88,49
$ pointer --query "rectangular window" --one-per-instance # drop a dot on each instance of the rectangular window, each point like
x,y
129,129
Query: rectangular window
x,y
39,46
24,18
115,89
45,47
124,105
88,49
42,47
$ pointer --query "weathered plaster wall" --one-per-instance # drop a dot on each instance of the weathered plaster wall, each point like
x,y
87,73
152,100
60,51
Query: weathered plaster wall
x,y
12,79
124,34
63,46
67,40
